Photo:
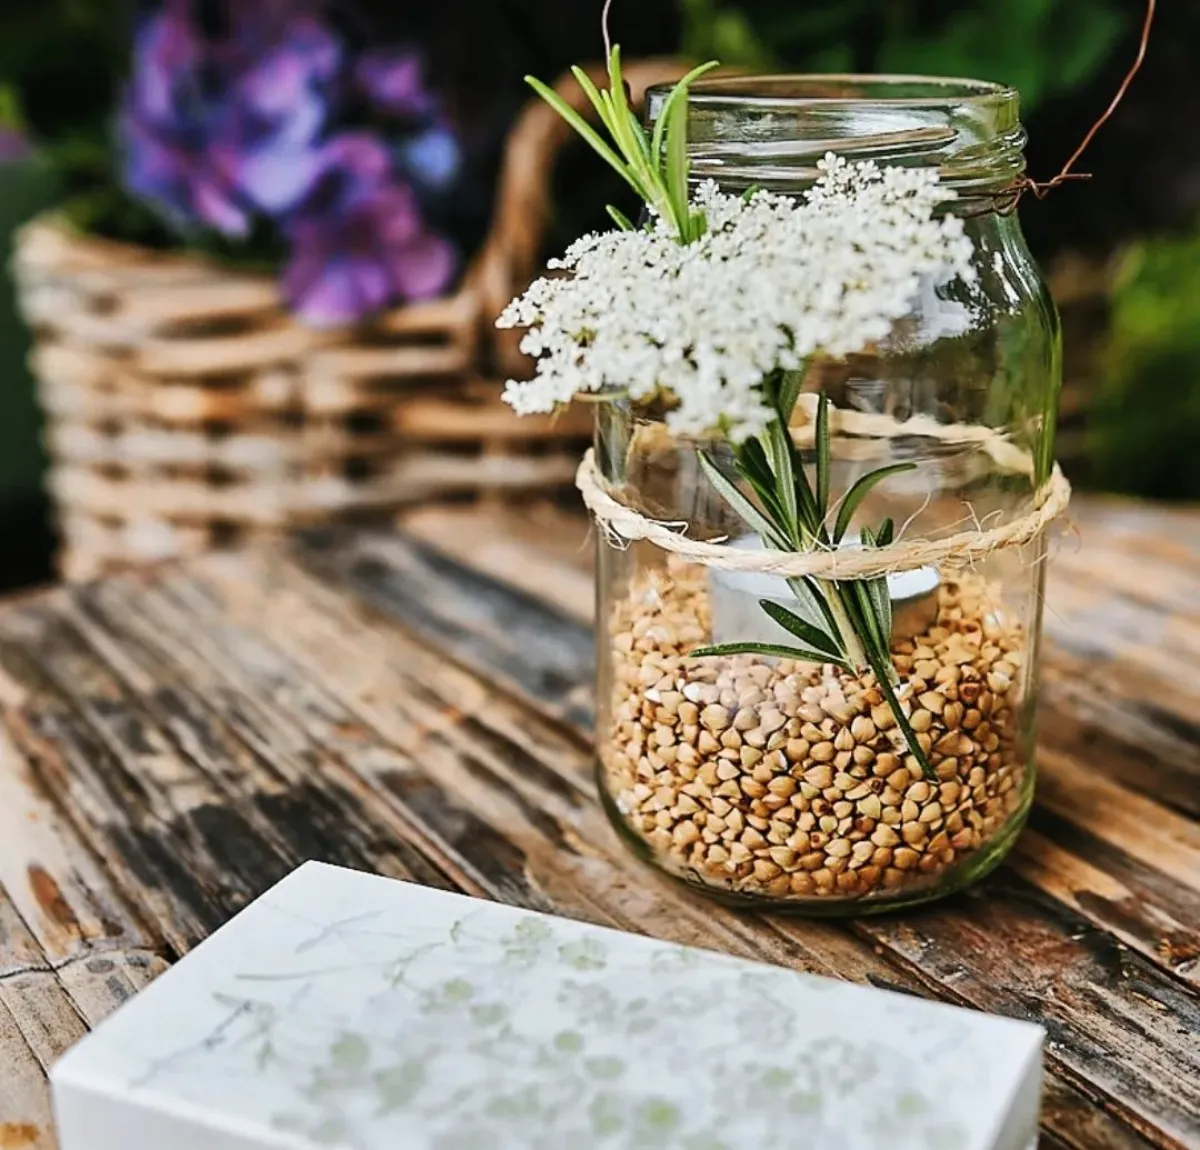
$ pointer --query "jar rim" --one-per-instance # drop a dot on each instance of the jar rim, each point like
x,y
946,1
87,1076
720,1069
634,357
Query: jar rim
x,y
771,130
898,89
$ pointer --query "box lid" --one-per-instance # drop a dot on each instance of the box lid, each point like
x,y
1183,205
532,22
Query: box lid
x,y
342,1009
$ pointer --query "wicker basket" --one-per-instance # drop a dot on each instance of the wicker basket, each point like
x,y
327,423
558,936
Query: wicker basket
x,y
186,410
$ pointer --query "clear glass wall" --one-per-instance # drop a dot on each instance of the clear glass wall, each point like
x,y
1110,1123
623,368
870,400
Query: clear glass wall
x,y
765,779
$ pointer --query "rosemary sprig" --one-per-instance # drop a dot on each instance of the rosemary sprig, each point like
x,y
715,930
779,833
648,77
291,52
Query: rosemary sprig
x,y
849,623
655,165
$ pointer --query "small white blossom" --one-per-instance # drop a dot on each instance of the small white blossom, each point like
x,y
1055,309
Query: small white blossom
x,y
774,280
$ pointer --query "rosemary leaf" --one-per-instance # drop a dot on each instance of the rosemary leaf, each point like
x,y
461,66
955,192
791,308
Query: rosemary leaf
x,y
859,491
751,514
640,137
789,393
877,589
594,95
775,650
877,592
812,636
779,437
751,461
587,132
902,722
767,496
622,123
808,592
677,94
677,168
870,629
620,218
779,455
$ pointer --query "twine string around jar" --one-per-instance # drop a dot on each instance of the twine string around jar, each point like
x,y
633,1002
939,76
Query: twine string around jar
x,y
626,524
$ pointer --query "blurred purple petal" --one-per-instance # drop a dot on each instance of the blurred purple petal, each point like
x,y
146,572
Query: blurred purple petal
x,y
424,268
293,70
358,155
359,243
275,180
218,210
396,216
350,166
433,158
178,182
394,81
341,292
167,48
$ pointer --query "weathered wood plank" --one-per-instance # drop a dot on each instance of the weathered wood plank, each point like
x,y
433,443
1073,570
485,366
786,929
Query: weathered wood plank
x,y
57,889
192,821
477,620
1121,688
46,1005
1144,1071
1157,919
70,950
539,548
25,1120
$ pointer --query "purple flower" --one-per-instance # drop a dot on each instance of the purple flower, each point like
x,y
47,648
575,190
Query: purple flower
x,y
213,131
180,179
229,130
164,124
393,80
278,109
359,243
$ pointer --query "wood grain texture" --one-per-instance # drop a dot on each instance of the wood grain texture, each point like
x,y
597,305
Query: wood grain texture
x,y
419,704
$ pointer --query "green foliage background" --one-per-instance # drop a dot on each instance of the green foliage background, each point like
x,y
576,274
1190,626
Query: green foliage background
x,y
1144,430
1042,47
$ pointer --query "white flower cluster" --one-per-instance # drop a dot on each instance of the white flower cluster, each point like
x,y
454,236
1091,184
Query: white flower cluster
x,y
774,280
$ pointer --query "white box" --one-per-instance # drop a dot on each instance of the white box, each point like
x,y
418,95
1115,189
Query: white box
x,y
345,1010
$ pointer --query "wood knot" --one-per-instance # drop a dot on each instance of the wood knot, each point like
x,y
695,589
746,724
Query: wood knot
x,y
17,1135
50,898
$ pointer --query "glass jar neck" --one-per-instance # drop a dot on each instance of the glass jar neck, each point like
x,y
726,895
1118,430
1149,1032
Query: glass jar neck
x,y
770,131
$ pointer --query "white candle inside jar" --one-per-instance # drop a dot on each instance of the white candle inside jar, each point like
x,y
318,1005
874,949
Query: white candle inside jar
x,y
738,618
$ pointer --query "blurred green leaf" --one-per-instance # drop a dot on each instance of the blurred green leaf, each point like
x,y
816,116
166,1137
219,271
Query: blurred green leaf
x,y
1144,423
1042,47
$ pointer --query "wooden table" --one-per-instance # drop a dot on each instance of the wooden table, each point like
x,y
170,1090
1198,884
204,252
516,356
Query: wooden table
x,y
420,705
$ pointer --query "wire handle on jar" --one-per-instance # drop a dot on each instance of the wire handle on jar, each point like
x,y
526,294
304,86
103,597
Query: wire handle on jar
x,y
1007,200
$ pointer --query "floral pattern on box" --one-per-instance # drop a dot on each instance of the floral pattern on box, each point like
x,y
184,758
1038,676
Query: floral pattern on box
x,y
353,1012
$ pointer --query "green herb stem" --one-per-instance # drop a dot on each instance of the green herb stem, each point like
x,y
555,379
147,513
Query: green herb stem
x,y
856,654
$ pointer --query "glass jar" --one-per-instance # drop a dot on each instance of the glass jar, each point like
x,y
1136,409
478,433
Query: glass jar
x,y
786,784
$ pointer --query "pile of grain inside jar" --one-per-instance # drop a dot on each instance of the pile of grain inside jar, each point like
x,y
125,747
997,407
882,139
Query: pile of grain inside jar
x,y
789,780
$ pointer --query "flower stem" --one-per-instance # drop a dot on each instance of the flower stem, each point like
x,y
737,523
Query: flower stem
x,y
861,657
855,652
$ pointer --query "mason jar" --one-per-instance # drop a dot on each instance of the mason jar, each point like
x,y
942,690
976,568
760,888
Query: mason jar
x,y
785,784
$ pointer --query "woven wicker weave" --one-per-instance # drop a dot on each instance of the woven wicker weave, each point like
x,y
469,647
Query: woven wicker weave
x,y
186,410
